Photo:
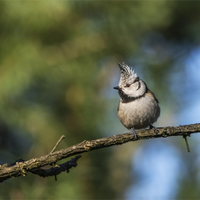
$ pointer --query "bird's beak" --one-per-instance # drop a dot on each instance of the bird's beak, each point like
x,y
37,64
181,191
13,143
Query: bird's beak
x,y
116,88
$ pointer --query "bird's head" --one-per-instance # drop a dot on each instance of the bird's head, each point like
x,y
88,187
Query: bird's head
x,y
130,84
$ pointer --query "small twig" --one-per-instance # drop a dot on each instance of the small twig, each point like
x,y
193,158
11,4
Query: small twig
x,y
55,175
187,145
61,138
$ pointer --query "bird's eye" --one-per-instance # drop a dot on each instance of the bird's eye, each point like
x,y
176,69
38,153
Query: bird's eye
x,y
128,85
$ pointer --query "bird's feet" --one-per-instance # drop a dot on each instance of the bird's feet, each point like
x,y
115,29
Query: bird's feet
x,y
154,128
134,133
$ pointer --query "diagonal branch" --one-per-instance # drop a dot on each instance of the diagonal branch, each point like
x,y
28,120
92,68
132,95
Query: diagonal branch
x,y
21,168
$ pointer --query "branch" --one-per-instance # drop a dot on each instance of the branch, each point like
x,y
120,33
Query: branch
x,y
20,168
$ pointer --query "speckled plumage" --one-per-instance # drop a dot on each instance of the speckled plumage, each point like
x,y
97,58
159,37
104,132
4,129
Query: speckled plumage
x,y
138,107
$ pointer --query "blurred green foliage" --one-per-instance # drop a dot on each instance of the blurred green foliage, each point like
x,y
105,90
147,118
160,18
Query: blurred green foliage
x,y
56,60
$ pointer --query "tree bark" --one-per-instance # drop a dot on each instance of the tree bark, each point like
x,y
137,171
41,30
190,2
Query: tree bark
x,y
20,167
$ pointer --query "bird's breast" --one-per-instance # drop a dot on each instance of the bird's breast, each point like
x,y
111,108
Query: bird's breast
x,y
140,112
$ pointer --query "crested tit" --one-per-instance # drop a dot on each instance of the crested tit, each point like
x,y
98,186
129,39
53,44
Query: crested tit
x,y
138,107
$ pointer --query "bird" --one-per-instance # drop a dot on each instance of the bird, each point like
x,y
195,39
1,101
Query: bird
x,y
138,107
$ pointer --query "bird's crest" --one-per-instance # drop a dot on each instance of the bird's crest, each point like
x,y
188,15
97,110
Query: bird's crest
x,y
126,72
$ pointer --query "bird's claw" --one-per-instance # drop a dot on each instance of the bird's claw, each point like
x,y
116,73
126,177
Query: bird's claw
x,y
154,128
134,133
